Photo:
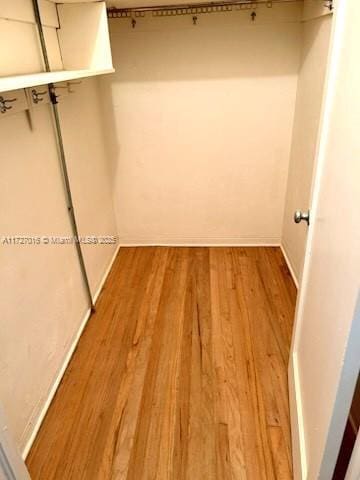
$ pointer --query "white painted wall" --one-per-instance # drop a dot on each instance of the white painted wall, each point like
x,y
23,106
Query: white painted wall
x,y
42,299
12,465
199,122
92,189
315,41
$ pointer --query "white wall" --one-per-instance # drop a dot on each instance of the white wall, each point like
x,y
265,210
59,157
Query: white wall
x,y
199,122
89,169
315,36
42,300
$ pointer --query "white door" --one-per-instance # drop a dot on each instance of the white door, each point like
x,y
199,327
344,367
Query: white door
x,y
325,353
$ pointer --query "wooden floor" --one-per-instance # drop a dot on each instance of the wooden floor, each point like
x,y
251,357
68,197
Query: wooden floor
x,y
180,374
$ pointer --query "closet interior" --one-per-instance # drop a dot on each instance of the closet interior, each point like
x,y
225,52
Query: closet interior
x,y
134,127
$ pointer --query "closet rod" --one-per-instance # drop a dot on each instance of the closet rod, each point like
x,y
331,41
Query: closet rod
x,y
190,8
62,157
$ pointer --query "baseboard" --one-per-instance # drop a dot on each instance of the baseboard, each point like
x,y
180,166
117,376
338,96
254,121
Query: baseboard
x,y
289,264
106,273
66,362
297,422
169,241
55,385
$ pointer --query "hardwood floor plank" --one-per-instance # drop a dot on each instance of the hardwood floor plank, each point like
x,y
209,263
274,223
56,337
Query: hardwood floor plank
x,y
247,359
201,461
181,374
228,413
115,460
61,422
153,449
265,344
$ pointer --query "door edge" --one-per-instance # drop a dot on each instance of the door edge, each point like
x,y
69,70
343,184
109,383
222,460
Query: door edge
x,y
297,421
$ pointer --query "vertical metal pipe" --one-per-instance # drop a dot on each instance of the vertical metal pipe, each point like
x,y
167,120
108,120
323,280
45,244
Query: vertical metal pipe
x,y
41,35
62,158
70,204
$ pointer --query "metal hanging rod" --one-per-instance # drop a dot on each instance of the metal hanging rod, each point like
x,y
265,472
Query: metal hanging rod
x,y
41,34
62,157
191,8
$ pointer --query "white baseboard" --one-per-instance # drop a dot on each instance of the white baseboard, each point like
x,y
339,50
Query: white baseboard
x,y
290,267
55,386
297,421
169,241
65,363
106,273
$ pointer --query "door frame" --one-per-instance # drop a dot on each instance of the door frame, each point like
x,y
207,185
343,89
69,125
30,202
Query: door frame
x,y
354,465
349,372
12,466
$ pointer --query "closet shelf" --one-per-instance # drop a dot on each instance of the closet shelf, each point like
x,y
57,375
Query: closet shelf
x,y
34,79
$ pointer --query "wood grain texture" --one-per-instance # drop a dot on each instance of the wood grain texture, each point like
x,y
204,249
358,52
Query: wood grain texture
x,y
181,374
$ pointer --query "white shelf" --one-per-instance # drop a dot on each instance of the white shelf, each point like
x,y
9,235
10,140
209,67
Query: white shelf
x,y
34,79
76,37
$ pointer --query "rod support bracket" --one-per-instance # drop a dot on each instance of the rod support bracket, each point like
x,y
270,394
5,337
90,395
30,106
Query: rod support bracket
x,y
329,4
52,94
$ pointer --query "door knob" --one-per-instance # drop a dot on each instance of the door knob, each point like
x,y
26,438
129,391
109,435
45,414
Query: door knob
x,y
302,216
